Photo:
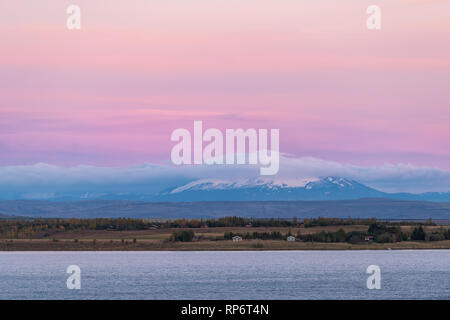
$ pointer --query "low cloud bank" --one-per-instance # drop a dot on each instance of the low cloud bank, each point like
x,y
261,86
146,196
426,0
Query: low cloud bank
x,y
43,180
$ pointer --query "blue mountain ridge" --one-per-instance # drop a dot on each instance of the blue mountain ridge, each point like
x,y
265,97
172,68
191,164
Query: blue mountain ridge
x,y
259,189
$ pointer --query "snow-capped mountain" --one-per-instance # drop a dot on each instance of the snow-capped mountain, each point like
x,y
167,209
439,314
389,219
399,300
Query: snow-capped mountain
x,y
328,188
271,184
258,189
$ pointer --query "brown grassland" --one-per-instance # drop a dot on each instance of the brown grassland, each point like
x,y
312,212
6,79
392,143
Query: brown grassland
x,y
158,240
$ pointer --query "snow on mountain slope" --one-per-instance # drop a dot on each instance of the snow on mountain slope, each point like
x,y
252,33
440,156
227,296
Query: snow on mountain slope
x,y
267,183
243,183
328,188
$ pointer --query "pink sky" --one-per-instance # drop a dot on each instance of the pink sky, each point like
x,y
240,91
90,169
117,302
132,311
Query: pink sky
x,y
112,93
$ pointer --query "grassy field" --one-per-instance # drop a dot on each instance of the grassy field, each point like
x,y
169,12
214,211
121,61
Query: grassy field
x,y
164,234
153,240
225,245
208,233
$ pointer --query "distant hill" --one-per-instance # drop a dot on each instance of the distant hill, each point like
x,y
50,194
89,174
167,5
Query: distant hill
x,y
4,216
258,189
363,208
264,189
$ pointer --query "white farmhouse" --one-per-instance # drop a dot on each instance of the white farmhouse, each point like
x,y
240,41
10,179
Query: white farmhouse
x,y
237,238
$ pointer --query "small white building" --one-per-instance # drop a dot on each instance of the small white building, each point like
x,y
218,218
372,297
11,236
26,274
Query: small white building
x,y
237,238
290,238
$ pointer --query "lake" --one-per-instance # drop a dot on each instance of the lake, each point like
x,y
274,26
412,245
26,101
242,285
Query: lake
x,y
406,274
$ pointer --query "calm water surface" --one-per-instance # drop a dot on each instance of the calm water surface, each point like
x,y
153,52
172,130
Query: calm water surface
x,y
408,274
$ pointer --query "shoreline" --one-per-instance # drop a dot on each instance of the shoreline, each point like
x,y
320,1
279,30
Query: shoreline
x,y
245,245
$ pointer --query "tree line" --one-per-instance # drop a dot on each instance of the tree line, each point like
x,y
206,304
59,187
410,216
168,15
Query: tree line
x,y
27,228
378,232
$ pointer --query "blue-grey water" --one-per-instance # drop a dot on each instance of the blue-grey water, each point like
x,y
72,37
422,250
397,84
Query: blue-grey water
x,y
407,274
